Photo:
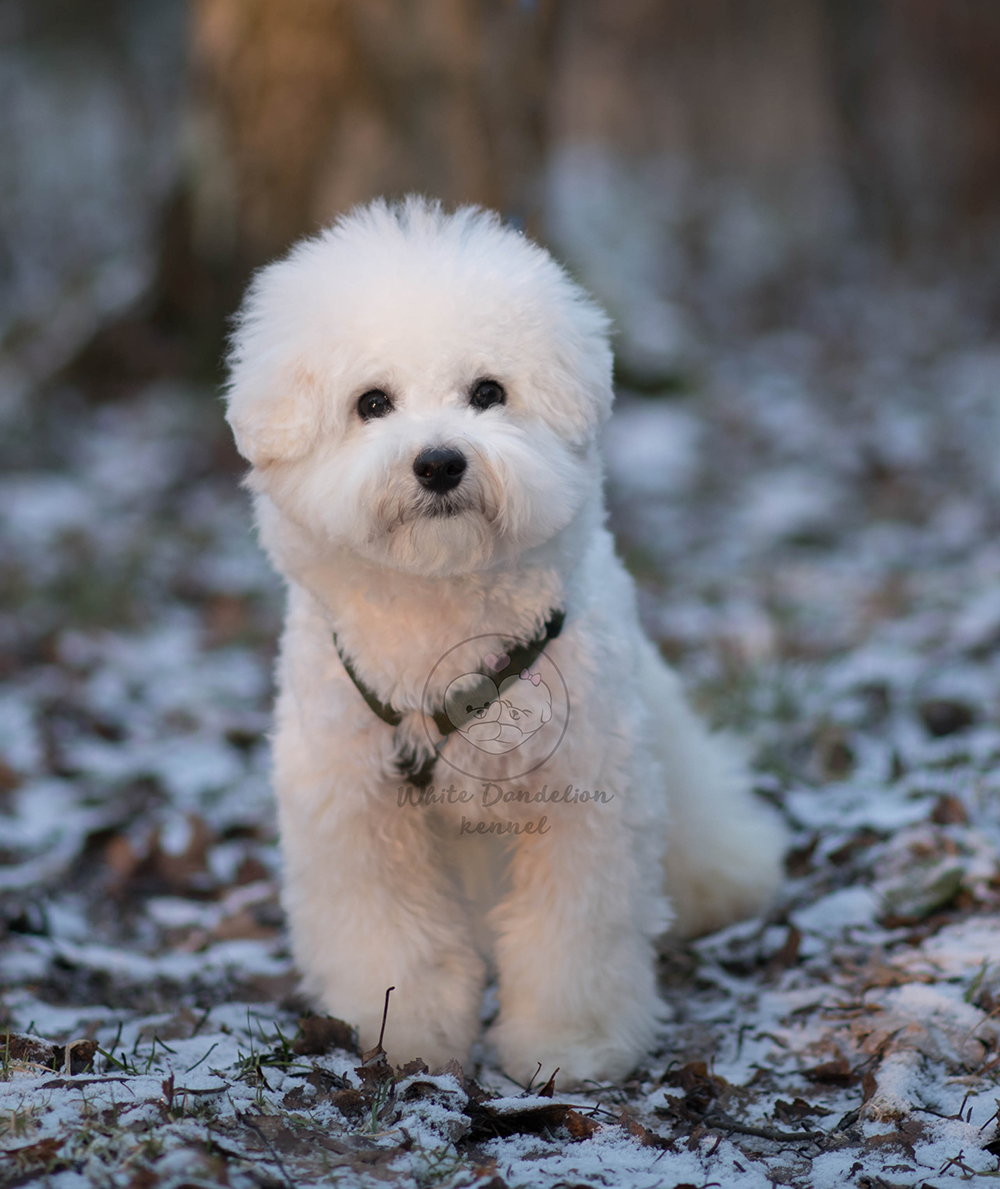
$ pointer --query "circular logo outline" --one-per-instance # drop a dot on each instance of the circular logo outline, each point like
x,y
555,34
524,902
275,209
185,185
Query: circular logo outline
x,y
439,748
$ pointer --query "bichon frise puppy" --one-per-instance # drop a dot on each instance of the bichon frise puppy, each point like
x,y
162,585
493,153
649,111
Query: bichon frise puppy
x,y
481,762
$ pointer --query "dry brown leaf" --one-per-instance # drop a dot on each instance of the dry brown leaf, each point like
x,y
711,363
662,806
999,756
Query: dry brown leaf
x,y
318,1035
349,1102
700,1087
788,955
416,1066
832,1073
646,1137
489,1123
797,1110
579,1126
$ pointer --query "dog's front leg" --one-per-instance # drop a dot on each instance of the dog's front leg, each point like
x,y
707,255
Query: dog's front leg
x,y
370,908
574,950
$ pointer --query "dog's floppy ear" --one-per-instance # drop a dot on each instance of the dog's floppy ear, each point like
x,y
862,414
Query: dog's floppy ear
x,y
274,413
579,391
589,367
274,398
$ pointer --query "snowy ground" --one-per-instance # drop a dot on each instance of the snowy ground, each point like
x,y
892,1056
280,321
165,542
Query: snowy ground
x,y
813,525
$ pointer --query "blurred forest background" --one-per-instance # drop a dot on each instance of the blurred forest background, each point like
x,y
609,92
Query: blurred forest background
x,y
694,161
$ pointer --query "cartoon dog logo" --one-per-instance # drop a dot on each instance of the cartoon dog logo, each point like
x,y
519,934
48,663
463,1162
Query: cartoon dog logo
x,y
498,720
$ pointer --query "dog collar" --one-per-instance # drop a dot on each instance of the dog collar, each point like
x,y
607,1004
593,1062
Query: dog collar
x,y
518,657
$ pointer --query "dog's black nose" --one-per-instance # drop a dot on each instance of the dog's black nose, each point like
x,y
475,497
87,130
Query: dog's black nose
x,y
440,469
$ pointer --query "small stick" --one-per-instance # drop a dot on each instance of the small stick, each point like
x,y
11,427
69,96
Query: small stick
x,y
385,1016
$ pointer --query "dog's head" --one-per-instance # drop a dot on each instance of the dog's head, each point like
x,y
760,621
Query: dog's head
x,y
423,389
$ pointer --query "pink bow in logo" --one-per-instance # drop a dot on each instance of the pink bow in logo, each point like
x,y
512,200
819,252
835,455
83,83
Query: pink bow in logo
x,y
534,678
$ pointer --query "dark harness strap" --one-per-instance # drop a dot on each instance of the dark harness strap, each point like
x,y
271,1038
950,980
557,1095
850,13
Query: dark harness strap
x,y
385,712
419,769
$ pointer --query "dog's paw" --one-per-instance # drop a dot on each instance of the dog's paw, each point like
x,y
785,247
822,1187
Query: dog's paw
x,y
431,1046
532,1053
433,1012
438,1026
434,1037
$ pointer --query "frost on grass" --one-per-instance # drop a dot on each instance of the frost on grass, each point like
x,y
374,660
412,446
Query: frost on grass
x,y
813,529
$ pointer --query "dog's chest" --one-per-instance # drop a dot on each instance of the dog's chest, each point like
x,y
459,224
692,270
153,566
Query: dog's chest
x,y
410,639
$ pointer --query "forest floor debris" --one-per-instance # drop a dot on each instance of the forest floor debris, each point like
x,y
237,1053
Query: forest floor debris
x,y
814,529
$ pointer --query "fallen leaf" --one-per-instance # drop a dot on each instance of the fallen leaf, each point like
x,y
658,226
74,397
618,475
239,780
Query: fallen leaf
x,y
490,1123
946,716
862,840
646,1137
297,1100
349,1102
318,1035
832,1073
700,1087
797,1110
44,1152
869,1084
788,955
452,1067
579,1126
416,1066
949,811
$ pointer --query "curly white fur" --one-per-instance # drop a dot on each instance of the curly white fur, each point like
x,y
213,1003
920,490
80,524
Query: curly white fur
x,y
500,864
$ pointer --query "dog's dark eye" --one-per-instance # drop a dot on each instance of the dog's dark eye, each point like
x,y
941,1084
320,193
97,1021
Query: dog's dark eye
x,y
486,394
373,403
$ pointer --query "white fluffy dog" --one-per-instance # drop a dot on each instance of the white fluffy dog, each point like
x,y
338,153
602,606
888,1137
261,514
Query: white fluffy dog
x,y
481,762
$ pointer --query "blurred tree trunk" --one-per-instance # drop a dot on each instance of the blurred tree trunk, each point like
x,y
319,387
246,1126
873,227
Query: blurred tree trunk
x,y
301,108
895,101
917,88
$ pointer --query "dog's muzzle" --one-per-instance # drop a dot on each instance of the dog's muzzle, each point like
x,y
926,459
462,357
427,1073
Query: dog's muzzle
x,y
440,469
